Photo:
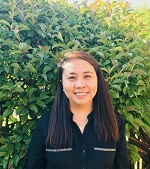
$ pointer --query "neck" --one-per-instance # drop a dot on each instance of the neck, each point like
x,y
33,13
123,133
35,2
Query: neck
x,y
81,111
80,116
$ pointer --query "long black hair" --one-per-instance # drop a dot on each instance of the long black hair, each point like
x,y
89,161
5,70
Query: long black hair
x,y
60,132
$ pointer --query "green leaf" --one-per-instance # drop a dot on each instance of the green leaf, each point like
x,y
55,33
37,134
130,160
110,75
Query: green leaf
x,y
22,46
31,124
10,163
140,82
23,27
15,159
136,126
138,121
8,42
116,87
118,48
94,49
104,69
16,52
33,108
120,56
30,92
141,88
9,148
47,68
128,127
44,76
59,36
2,95
30,56
3,153
29,15
116,75
125,90
1,69
137,59
43,97
4,140
30,67
1,118
19,138
16,67
5,87
139,72
71,43
18,89
19,83
129,117
129,108
43,27
18,110
5,22
59,45
146,128
7,112
24,118
101,54
147,119
17,36
41,103
137,102
114,94
44,49
17,146
148,44
22,154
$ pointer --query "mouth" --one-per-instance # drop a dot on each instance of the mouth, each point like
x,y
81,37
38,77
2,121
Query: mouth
x,y
81,93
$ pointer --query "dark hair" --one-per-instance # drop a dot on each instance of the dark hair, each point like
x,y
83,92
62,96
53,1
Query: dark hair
x,y
60,132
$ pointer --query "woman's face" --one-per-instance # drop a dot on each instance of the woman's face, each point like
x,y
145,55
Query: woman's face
x,y
79,82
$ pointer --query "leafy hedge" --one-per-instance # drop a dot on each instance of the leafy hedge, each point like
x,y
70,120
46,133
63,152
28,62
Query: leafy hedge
x,y
33,35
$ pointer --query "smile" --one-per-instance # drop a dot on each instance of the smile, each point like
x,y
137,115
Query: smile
x,y
81,94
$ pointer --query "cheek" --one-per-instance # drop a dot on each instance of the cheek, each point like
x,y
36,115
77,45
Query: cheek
x,y
66,88
68,92
95,88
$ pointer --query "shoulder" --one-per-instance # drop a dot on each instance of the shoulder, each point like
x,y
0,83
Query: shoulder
x,y
120,119
43,123
45,117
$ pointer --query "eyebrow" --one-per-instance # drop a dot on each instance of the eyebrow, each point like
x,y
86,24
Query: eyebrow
x,y
83,72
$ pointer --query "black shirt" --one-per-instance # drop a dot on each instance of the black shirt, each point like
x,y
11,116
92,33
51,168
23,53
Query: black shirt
x,y
87,153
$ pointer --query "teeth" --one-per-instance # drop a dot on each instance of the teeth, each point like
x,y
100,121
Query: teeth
x,y
80,94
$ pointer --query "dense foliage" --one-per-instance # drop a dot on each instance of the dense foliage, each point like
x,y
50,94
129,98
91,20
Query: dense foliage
x,y
33,35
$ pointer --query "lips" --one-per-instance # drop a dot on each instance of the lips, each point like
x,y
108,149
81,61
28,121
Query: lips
x,y
81,93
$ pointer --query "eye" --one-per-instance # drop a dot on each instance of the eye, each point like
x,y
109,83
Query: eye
x,y
71,77
87,76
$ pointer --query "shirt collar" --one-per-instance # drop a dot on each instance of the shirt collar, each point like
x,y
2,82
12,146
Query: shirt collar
x,y
90,116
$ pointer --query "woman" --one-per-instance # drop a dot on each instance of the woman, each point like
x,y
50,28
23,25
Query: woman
x,y
82,131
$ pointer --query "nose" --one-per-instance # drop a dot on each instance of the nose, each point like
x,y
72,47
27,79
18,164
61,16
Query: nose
x,y
80,83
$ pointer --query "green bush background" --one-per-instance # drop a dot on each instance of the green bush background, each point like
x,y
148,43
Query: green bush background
x,y
33,35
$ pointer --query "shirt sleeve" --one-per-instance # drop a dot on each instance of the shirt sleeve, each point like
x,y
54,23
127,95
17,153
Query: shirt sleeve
x,y
122,157
36,151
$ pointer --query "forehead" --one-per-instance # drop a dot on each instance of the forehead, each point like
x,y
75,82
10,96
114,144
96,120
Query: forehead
x,y
77,65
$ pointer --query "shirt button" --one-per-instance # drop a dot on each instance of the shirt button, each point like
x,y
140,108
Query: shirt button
x,y
83,152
